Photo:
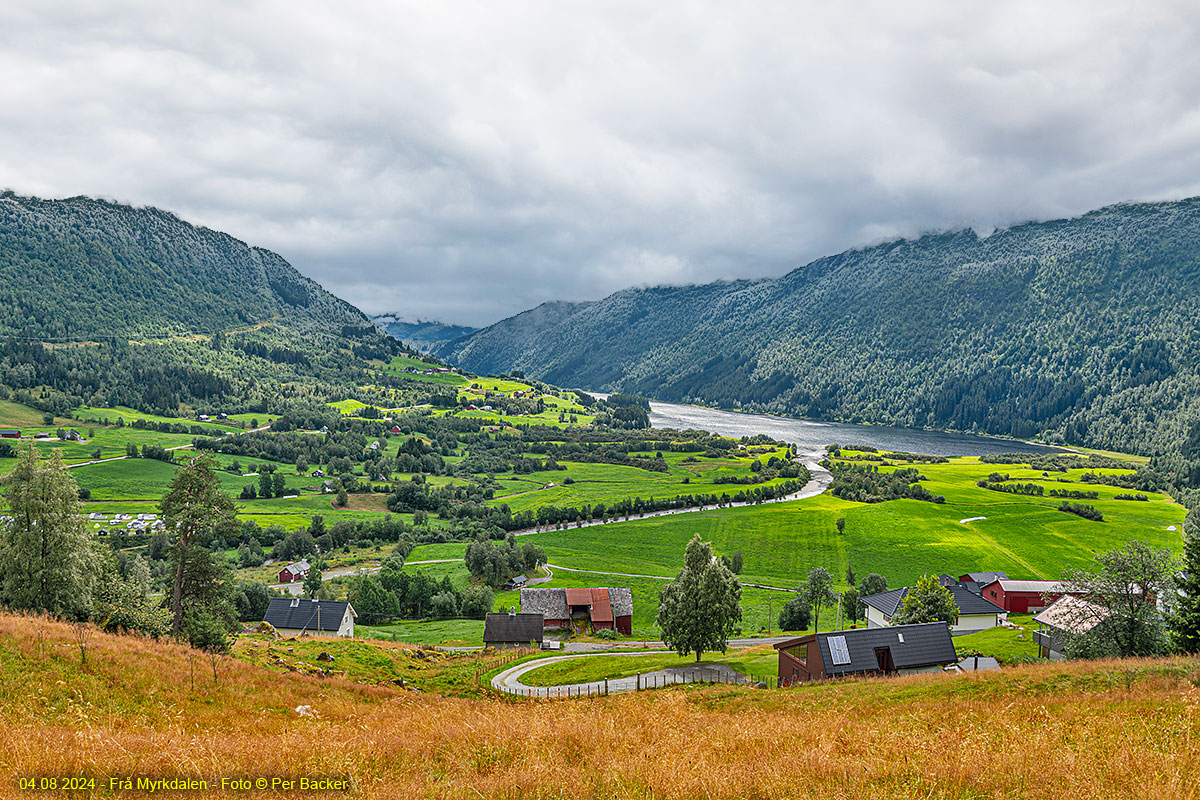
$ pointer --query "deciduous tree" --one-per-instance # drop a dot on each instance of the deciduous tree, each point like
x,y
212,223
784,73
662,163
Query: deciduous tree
x,y
700,609
928,601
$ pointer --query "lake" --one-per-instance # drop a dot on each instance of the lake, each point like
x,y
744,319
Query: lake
x,y
811,436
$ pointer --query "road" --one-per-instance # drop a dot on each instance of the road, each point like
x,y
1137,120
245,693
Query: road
x,y
176,447
510,679
821,479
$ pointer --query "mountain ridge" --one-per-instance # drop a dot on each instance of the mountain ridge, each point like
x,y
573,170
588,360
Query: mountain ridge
x,y
1071,330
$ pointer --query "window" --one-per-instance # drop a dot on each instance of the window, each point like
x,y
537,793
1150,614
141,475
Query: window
x,y
838,651
802,653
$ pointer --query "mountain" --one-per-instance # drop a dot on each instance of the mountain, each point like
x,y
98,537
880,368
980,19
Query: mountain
x,y
1079,330
107,304
422,334
79,268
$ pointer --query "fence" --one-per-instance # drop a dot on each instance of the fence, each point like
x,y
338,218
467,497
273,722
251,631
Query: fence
x,y
646,681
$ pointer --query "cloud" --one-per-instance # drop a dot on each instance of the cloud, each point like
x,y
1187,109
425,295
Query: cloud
x,y
465,161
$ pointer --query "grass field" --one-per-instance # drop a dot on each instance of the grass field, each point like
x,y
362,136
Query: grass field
x,y
902,539
1006,645
1090,729
609,483
761,660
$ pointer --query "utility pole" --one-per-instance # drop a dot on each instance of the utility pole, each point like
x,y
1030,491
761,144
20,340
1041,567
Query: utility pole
x,y
769,598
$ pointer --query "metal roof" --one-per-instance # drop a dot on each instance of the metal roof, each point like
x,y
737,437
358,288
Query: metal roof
x,y
1072,614
579,597
912,646
297,614
1009,585
601,609
512,628
553,603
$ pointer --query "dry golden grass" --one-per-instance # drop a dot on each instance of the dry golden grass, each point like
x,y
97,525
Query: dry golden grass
x,y
1120,729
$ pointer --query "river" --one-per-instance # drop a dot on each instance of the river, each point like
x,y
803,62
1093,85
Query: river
x,y
811,436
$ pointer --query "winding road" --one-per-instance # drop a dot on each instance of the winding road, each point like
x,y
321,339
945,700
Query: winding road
x,y
510,679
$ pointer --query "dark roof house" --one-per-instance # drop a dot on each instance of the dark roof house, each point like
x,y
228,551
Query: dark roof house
x,y
898,649
512,630
975,613
293,616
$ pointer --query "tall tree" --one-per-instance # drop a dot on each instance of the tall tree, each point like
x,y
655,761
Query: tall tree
x,y
817,591
928,601
313,580
874,583
699,610
1185,625
45,552
1122,616
196,509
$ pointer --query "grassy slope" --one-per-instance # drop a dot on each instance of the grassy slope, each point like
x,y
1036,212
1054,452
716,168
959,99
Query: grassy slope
x,y
1023,536
1046,731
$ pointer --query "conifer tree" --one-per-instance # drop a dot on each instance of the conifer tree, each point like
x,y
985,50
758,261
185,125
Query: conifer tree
x,y
1185,627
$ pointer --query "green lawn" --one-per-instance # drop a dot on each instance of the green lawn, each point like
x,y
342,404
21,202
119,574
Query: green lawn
x,y
1006,645
441,631
761,660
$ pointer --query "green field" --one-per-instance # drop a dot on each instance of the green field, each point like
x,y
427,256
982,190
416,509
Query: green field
x,y
759,661
609,483
902,539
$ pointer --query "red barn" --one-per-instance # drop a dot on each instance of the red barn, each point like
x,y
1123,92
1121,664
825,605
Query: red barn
x,y
396,430
597,609
1020,597
294,572
10,434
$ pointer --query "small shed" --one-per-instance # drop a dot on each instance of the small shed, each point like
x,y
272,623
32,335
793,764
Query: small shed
x,y
1020,597
513,630
10,433
296,571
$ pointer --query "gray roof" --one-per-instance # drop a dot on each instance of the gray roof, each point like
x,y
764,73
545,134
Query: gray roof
x,y
512,628
285,612
986,577
967,601
924,645
552,603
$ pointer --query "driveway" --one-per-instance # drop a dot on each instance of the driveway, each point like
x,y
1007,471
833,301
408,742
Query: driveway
x,y
510,679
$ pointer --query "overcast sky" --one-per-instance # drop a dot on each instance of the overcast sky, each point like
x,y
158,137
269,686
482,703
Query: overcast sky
x,y
465,161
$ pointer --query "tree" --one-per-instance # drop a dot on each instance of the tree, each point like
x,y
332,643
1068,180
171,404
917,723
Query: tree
x,y
1185,624
736,563
850,576
1121,616
45,552
851,605
477,601
313,581
817,591
342,497
301,464
874,583
278,484
841,524
796,615
928,601
371,601
197,510
264,484
699,610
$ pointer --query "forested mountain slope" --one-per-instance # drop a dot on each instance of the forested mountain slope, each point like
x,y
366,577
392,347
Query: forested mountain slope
x,y
106,304
1081,330
82,268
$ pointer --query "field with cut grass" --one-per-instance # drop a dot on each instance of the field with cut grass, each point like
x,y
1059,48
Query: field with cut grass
x,y
1106,729
900,539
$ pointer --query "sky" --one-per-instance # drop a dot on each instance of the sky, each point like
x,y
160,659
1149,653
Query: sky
x,y
465,161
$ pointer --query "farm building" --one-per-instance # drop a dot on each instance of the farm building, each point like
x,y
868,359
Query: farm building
x,y
582,609
975,581
297,571
1066,616
10,434
296,617
396,430
513,630
899,649
974,612
1019,597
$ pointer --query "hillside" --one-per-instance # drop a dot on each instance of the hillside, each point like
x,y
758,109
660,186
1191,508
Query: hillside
x,y
1077,330
422,334
106,304
138,707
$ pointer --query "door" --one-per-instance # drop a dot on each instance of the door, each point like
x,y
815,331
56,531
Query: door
x,y
883,656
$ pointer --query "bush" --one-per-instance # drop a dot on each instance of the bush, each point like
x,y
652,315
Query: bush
x,y
608,634
795,616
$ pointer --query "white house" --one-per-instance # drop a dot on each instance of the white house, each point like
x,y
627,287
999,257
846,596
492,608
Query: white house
x,y
298,617
974,612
